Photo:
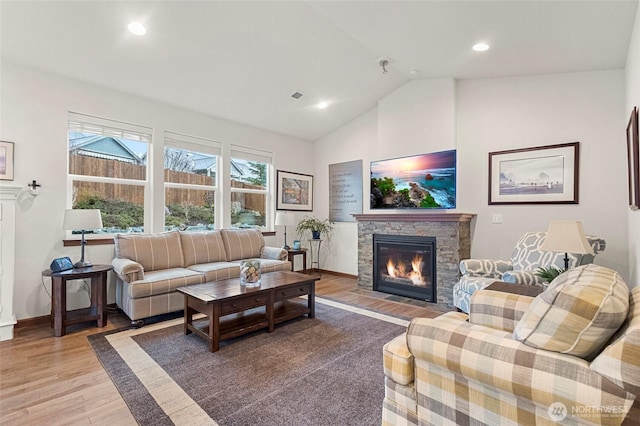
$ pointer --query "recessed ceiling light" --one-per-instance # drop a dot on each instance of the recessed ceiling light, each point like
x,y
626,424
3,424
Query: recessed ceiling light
x,y
323,105
137,28
480,47
414,71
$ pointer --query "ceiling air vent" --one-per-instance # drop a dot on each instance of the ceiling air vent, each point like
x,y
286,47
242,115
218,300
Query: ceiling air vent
x,y
297,95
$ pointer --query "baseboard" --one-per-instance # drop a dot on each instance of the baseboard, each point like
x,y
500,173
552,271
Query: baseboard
x,y
338,274
29,322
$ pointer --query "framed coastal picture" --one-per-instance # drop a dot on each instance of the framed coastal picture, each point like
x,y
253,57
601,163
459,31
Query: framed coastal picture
x,y
6,160
294,191
632,160
538,175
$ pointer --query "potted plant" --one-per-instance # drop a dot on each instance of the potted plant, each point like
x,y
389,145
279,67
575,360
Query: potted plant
x,y
316,226
550,273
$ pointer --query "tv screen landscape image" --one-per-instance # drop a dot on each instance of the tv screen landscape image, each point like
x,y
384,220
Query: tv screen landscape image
x,y
426,181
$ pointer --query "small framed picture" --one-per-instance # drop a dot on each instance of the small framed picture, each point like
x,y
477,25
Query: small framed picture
x,y
6,160
538,175
294,191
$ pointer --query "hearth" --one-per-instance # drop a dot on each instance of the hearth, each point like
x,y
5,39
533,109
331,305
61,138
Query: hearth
x,y
405,265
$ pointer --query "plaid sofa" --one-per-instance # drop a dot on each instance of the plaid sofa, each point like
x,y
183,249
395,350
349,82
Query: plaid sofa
x,y
526,257
460,369
150,267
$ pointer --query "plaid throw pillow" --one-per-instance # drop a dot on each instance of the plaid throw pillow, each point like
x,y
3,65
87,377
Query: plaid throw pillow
x,y
577,314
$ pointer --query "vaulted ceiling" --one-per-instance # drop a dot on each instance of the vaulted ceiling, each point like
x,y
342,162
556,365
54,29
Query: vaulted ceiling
x,y
242,60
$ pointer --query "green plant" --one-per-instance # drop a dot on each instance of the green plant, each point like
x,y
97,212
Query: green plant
x,y
310,223
385,185
550,273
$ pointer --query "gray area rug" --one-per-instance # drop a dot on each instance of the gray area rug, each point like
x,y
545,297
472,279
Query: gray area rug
x,y
321,371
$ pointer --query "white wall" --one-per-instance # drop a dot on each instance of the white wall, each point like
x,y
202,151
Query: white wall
x,y
416,118
480,116
356,140
633,99
33,114
499,114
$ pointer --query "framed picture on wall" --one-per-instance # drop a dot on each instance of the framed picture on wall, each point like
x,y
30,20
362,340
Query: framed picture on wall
x,y
632,160
538,175
294,191
6,160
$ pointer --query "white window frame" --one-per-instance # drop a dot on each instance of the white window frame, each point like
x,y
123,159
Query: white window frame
x,y
257,155
205,146
107,127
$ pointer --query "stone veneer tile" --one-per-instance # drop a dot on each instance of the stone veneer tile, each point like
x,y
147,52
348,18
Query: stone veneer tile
x,y
453,243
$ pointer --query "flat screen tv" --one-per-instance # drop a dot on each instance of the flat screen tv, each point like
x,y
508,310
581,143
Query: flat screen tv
x,y
426,181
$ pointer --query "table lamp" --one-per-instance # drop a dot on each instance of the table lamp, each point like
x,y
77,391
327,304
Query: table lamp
x,y
566,236
82,219
284,219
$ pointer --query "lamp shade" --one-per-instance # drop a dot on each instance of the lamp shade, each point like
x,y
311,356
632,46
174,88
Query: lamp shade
x,y
284,218
80,219
566,236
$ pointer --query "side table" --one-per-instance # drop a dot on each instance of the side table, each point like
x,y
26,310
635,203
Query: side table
x,y
60,317
291,253
521,289
315,260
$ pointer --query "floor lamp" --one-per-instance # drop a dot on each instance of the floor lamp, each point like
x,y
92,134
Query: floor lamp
x,y
566,236
82,219
284,219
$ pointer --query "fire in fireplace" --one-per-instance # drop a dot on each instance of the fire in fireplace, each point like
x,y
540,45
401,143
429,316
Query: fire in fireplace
x,y
405,266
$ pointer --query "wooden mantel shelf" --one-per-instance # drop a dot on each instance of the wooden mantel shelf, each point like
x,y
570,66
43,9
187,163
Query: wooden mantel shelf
x,y
415,217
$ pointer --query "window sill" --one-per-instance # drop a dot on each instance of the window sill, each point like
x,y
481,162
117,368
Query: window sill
x,y
107,241
90,242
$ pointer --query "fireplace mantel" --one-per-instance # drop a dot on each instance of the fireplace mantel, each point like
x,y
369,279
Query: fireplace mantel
x,y
415,217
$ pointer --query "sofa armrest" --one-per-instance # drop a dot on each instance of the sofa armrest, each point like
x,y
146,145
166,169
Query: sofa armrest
x,y
276,253
127,270
497,309
398,361
522,277
492,358
485,268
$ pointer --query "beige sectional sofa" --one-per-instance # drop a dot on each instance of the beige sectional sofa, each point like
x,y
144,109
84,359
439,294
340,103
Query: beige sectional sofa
x,y
150,267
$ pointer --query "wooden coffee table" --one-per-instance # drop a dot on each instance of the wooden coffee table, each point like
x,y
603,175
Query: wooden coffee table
x,y
233,310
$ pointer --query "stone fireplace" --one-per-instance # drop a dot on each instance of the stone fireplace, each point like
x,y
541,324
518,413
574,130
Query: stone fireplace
x,y
451,234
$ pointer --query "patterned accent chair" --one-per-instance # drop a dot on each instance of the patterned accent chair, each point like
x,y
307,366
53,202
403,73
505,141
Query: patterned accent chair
x,y
526,257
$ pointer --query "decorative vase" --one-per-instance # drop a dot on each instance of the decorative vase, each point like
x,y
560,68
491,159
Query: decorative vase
x,y
296,244
250,273
315,235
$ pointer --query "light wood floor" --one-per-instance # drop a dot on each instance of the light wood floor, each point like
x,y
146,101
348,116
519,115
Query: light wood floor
x,y
59,381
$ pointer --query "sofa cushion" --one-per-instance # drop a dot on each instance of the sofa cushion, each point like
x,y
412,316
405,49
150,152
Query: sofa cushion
x,y
153,251
270,265
620,361
162,282
202,247
578,313
242,243
217,271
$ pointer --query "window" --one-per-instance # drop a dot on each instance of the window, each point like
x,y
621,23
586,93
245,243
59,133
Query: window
x,y
108,170
249,171
191,185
